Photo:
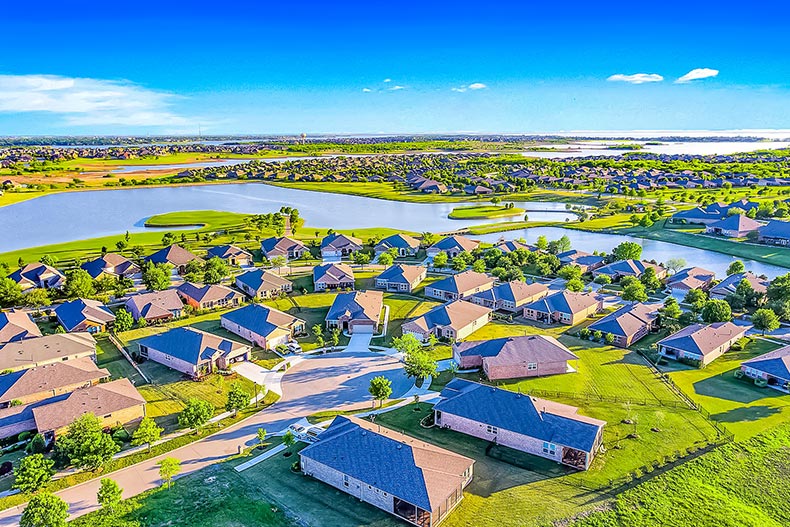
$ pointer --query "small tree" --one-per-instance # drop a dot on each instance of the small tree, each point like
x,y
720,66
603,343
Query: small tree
x,y
318,332
334,337
736,267
420,365
238,399
85,444
214,270
195,414
380,388
440,260
36,299
169,467
635,292
288,439
148,432
675,264
574,285
80,284
261,435
123,320
109,495
278,262
361,258
716,311
479,266
45,510
385,259
37,445
33,472
765,320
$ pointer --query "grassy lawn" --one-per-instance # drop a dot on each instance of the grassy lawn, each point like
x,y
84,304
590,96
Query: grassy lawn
x,y
403,308
740,484
539,492
473,212
217,496
741,406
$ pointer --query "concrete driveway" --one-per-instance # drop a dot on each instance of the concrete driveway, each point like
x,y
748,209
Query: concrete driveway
x,y
315,383
360,342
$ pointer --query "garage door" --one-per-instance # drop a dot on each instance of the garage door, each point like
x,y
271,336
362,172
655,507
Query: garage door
x,y
363,328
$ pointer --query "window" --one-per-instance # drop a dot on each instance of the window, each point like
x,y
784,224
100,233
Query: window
x,y
549,448
345,480
491,429
531,366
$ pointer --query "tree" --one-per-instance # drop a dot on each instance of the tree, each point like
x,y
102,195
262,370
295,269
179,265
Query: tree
x,y
696,298
156,277
420,365
334,337
779,288
575,285
214,270
380,388
10,293
33,472
569,272
671,309
675,264
238,399
716,311
123,320
627,251
85,444
169,467
765,320
195,414
318,332
261,435
45,510
440,260
406,344
650,280
37,445
278,262
288,439
80,284
48,260
36,299
479,266
109,495
736,267
428,239
635,292
542,243
459,263
385,259
148,432
361,258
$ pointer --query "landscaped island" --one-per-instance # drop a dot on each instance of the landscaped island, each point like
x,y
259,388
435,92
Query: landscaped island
x,y
474,212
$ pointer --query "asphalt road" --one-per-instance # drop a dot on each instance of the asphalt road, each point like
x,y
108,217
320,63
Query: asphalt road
x,y
317,383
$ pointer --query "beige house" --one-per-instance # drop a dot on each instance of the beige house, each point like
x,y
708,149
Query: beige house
x,y
332,276
401,278
263,284
564,307
40,351
356,312
263,325
36,384
701,343
459,285
17,325
509,296
454,321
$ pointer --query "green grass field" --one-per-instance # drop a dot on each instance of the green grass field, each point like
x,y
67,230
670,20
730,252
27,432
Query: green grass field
x,y
741,484
474,212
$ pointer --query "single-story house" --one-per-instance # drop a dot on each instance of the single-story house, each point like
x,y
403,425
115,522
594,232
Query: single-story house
x,y
113,265
461,285
332,276
358,311
289,248
701,342
339,245
697,216
84,314
209,296
543,428
508,246
514,357
690,278
193,352
59,347
775,233
36,384
565,307
772,367
729,285
415,481
509,296
263,325
174,255
453,246
735,226
263,284
17,325
585,261
401,277
621,268
629,323
156,306
38,276
231,254
454,321
403,243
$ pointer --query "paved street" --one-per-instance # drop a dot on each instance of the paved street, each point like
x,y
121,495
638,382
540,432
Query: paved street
x,y
316,383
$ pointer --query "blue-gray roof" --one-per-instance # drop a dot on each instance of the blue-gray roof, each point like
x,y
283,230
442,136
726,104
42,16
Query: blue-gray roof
x,y
253,317
188,344
72,313
775,229
518,413
775,363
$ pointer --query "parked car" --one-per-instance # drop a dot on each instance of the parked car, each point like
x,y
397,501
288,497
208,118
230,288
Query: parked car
x,y
294,347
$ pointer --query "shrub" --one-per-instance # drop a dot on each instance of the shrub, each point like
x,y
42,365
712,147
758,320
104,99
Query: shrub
x,y
24,436
121,435
597,335
584,333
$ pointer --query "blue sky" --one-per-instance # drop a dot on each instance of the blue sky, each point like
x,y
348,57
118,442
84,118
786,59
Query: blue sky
x,y
392,67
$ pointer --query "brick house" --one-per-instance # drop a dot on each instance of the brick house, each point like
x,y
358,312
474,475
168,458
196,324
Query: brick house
x,y
156,306
332,276
772,367
209,296
263,284
358,311
509,296
401,278
701,342
289,248
262,325
235,256
17,325
563,307
454,321
459,285
84,314
453,246
514,357
629,323
59,347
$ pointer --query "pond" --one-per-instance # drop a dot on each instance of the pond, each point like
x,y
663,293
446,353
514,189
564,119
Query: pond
x,y
651,249
70,216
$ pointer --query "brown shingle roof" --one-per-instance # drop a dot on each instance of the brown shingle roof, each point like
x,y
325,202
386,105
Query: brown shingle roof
x,y
53,377
28,353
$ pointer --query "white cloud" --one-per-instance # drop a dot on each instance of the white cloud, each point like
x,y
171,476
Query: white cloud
x,y
636,78
387,80
473,86
86,101
366,90
397,87
697,74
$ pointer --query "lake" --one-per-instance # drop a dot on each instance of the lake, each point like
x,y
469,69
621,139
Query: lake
x,y
651,249
69,216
